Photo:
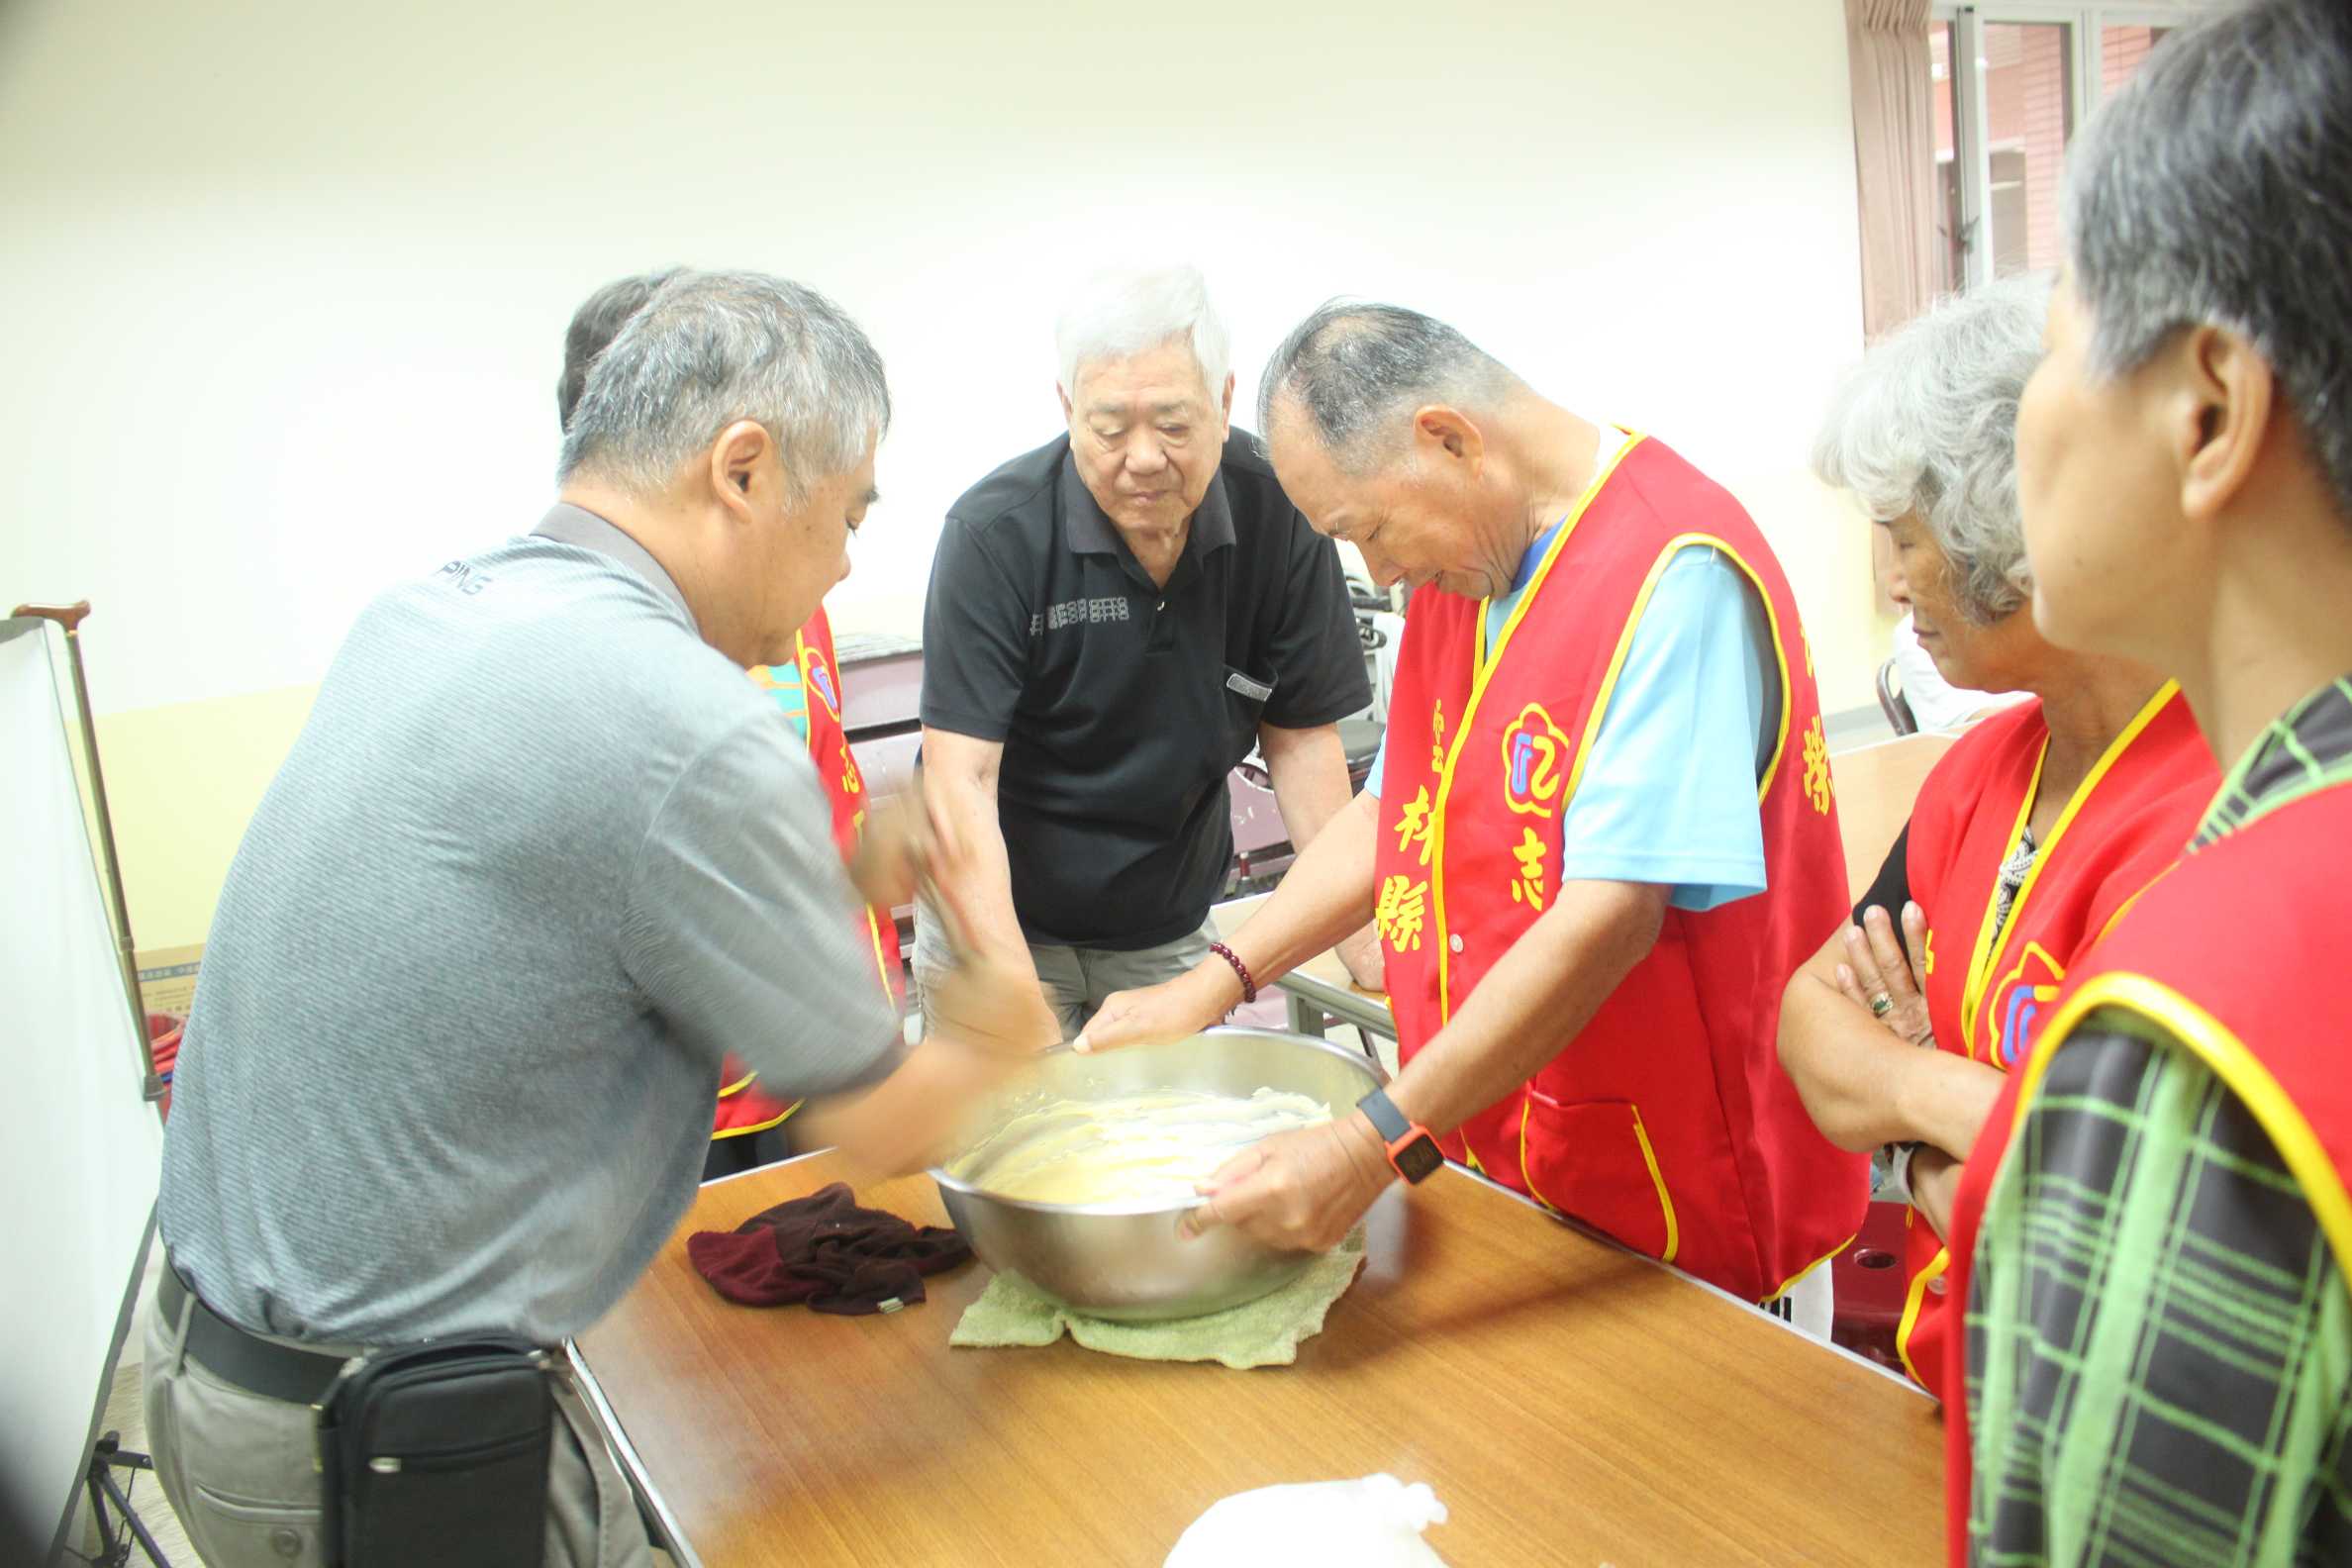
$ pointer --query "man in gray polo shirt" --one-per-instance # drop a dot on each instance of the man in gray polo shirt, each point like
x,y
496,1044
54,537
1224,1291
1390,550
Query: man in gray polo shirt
x,y
538,858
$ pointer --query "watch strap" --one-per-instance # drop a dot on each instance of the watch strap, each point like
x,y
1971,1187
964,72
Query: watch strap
x,y
1386,1119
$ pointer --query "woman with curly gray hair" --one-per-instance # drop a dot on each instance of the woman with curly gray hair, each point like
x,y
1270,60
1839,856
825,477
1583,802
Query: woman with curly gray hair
x,y
2030,833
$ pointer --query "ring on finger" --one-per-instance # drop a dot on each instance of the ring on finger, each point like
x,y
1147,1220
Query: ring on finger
x,y
1881,1005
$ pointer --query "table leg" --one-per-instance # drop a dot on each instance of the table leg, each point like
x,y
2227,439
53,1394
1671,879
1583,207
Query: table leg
x,y
1304,1017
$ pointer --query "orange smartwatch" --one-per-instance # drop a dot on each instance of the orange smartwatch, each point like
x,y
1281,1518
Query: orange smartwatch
x,y
1411,1149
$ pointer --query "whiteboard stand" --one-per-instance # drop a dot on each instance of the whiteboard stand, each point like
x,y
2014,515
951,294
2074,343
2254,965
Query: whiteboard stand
x,y
80,1142
118,1529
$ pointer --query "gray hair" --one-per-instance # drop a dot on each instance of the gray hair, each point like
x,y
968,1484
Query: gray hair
x,y
710,349
593,325
1355,368
1125,312
1928,424
2217,191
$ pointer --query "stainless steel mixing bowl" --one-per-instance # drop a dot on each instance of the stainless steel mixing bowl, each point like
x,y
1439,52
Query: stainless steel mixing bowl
x,y
1125,1261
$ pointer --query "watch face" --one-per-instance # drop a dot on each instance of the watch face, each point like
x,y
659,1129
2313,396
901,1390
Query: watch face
x,y
1419,1158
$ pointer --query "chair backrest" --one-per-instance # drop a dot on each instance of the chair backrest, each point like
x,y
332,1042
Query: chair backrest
x,y
1891,701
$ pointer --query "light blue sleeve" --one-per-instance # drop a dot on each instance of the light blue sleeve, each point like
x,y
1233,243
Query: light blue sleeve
x,y
1669,790
1669,793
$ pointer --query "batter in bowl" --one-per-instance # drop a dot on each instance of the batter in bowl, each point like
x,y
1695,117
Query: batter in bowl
x,y
1141,1148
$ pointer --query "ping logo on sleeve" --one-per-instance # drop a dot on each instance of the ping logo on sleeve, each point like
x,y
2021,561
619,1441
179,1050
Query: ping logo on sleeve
x,y
1535,762
2017,1001
820,681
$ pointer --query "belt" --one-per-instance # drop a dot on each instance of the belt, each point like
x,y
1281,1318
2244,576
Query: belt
x,y
254,1364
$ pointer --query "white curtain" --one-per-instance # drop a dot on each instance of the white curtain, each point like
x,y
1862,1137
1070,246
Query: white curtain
x,y
1894,157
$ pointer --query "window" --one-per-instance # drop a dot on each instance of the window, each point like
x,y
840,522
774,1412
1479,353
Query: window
x,y
2121,52
1951,234
2029,116
2010,84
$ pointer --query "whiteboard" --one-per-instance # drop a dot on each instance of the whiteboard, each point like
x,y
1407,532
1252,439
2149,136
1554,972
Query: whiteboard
x,y
80,1149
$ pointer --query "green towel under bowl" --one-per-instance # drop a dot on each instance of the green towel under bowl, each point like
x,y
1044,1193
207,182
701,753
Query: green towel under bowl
x,y
1261,1332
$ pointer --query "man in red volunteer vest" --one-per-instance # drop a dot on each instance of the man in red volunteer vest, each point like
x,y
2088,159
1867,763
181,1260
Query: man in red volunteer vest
x,y
2152,1239
747,1127
2031,832
1601,837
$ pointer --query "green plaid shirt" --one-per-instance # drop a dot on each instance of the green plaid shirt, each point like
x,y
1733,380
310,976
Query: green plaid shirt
x,y
2159,1340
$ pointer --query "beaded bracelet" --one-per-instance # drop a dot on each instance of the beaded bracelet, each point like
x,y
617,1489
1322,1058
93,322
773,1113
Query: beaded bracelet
x,y
1249,986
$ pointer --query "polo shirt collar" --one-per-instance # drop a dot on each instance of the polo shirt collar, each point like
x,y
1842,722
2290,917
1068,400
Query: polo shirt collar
x,y
1088,530
567,524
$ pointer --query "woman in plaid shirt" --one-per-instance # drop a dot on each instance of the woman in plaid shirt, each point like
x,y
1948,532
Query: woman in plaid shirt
x,y
2153,1240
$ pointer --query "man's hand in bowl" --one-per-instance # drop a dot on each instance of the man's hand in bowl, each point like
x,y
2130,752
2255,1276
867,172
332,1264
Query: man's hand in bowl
x,y
1169,1011
988,1021
1301,1191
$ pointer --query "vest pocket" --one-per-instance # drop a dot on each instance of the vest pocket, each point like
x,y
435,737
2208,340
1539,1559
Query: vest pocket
x,y
1594,1161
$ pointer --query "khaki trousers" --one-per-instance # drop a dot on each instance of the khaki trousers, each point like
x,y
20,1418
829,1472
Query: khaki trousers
x,y
1076,980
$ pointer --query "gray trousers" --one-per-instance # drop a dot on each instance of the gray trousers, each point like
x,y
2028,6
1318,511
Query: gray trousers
x,y
239,1470
1076,979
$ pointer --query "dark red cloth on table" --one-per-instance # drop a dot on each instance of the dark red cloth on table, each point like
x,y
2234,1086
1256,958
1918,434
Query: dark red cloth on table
x,y
825,1251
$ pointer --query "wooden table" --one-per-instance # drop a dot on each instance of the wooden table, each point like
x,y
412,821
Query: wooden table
x,y
1571,1404
1876,786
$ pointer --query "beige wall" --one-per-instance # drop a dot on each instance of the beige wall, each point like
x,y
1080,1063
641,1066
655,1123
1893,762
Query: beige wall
x,y
288,280
182,780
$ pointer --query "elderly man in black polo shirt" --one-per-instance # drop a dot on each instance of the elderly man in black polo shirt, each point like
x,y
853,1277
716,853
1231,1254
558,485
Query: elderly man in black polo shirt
x,y
1115,620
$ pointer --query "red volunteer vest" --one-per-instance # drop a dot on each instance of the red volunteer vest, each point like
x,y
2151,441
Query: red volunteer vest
x,y
2238,953
741,1106
1667,1122
2127,821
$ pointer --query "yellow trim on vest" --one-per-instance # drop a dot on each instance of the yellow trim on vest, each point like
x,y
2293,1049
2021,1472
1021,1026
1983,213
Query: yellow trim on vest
x,y
881,964
1984,961
739,1086
1528,1109
1480,661
1798,1278
1673,548
747,1131
1779,653
2129,904
1480,666
1649,1157
1911,1300
2212,1042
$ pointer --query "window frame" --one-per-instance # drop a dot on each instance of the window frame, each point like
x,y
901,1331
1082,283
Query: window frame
x,y
2087,26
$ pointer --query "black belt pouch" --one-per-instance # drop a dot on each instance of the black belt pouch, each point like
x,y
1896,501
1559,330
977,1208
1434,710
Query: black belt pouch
x,y
439,1456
